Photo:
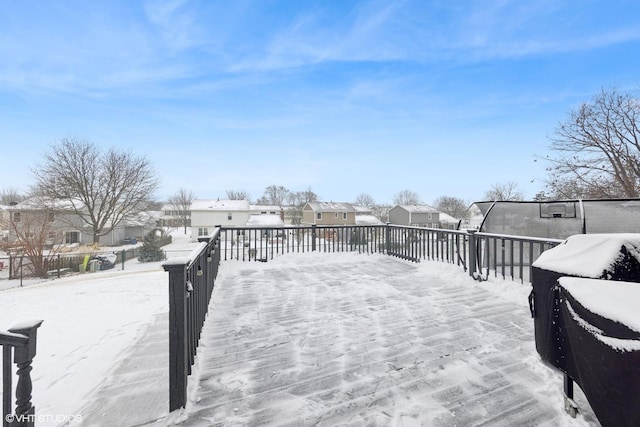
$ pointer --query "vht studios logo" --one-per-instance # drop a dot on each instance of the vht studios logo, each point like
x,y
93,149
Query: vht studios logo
x,y
43,418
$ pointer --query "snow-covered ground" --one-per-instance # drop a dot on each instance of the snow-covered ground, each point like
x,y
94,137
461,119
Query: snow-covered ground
x,y
92,321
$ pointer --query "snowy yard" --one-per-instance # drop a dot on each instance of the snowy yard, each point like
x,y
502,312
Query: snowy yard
x,y
305,339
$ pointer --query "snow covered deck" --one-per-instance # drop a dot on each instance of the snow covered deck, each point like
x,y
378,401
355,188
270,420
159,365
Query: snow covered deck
x,y
304,339
347,339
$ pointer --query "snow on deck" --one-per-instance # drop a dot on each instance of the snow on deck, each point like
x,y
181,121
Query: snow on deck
x,y
305,339
346,339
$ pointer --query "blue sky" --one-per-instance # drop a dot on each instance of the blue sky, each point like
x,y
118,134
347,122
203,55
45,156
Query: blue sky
x,y
344,97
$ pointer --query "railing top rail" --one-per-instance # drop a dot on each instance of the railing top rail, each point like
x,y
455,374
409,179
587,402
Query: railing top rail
x,y
520,238
13,339
319,226
193,255
415,227
212,236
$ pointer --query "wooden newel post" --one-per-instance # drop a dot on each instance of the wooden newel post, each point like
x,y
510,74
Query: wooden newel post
x,y
24,355
178,356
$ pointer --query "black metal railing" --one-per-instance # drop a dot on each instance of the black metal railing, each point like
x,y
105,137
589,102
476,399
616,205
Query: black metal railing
x,y
262,244
191,281
480,254
508,257
22,340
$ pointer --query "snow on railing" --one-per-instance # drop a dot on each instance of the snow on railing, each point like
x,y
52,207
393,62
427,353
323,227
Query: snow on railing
x,y
191,281
22,340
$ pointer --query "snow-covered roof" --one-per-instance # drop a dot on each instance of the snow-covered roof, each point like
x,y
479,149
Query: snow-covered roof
x,y
589,255
37,203
367,220
265,221
444,217
362,209
142,219
331,207
418,208
268,208
220,205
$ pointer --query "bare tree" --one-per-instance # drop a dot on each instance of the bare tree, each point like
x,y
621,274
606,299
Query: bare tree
x,y
102,188
365,199
274,195
381,212
507,191
238,195
33,232
596,151
10,195
451,205
295,203
180,204
406,197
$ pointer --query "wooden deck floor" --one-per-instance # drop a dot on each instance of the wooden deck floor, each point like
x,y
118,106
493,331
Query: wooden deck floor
x,y
368,341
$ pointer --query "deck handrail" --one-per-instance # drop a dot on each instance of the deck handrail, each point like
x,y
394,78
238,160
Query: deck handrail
x,y
191,281
21,339
407,242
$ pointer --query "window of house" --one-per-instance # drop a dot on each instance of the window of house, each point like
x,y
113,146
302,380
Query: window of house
x,y
344,215
52,217
319,216
429,216
335,215
16,217
52,235
203,231
263,212
230,216
71,237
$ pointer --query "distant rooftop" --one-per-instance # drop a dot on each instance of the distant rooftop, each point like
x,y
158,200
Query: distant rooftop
x,y
419,208
220,205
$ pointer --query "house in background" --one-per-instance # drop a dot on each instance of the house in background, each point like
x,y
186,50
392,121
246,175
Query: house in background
x,y
328,213
206,215
418,216
64,226
4,223
170,217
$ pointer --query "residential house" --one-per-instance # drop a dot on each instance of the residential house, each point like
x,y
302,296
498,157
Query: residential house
x,y
206,215
328,213
415,215
171,217
64,226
